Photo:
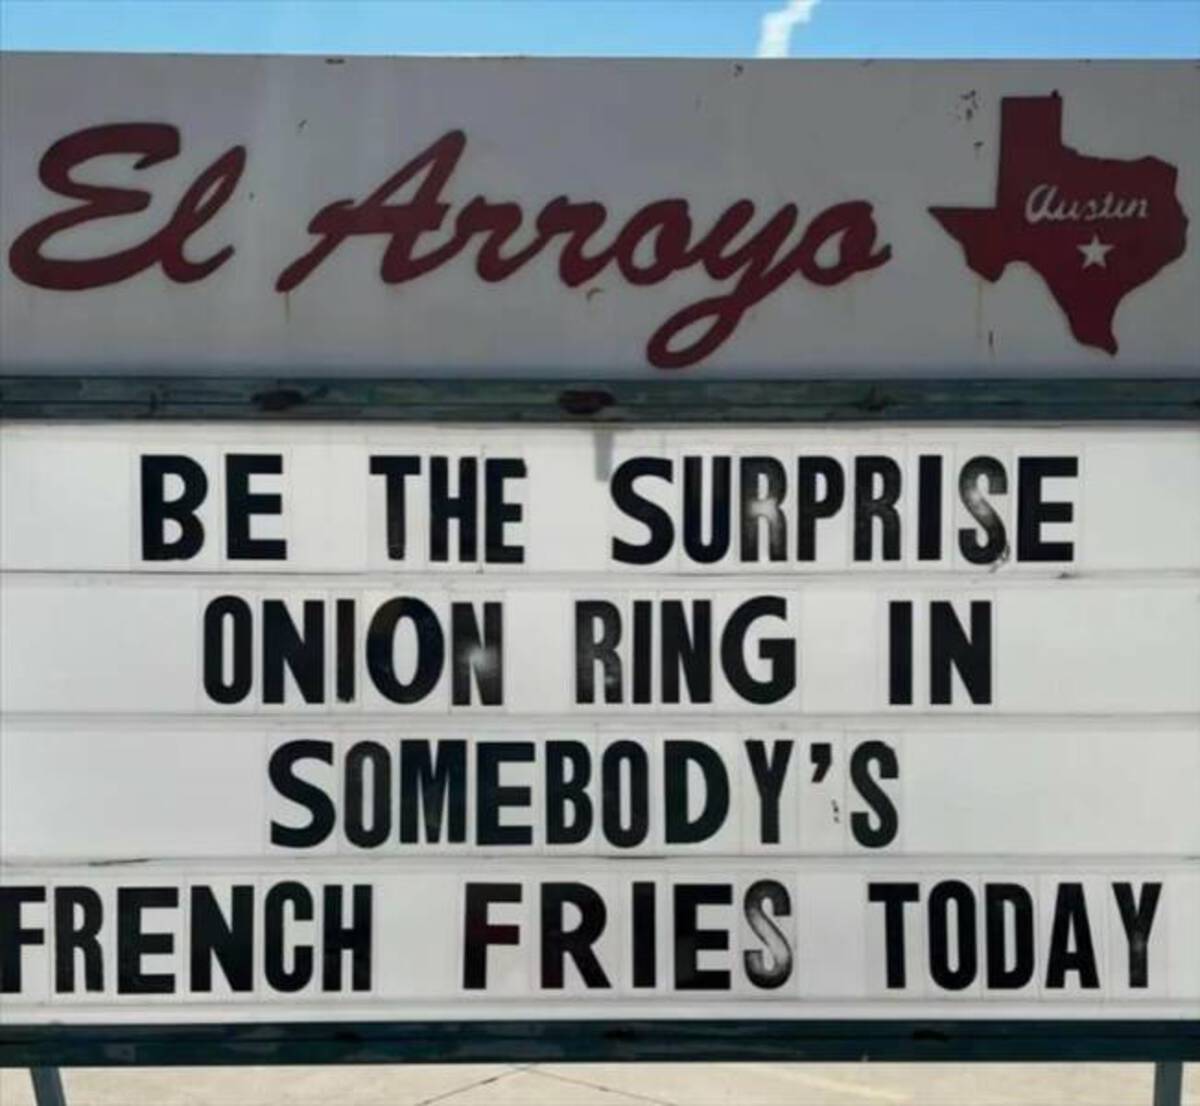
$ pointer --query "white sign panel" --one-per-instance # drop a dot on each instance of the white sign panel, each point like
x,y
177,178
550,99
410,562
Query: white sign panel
x,y
344,723
517,217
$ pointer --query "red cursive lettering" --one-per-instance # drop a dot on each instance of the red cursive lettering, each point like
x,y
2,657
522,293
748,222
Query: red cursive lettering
x,y
653,244
657,241
151,143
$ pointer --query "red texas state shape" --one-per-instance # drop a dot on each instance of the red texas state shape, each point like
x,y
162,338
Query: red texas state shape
x,y
1093,228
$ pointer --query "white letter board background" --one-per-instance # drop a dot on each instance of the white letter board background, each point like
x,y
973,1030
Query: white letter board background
x,y
1085,765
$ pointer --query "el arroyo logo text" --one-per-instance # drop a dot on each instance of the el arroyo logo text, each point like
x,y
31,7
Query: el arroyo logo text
x,y
1094,228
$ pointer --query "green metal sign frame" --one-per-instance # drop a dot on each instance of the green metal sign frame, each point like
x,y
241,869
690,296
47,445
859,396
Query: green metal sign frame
x,y
683,400
533,1041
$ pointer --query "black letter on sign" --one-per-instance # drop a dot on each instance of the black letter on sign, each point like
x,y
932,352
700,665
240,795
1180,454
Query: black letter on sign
x,y
981,510
1138,917
133,942
431,650
283,646
949,646
279,976
479,933
693,507
762,508
1032,512
645,931
1071,920
72,935
443,507
900,663
395,470
241,645
13,935
643,624
866,754
967,957
677,755
894,896
499,511
482,655
691,940
562,792
435,791
281,771
241,503
156,509
589,650
367,812
764,973
230,942
345,661
779,652
354,938
559,943
651,515
929,508
808,507
1000,977
691,651
491,797
625,837
769,776
869,506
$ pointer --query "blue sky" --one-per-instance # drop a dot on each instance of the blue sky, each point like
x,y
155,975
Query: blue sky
x,y
729,28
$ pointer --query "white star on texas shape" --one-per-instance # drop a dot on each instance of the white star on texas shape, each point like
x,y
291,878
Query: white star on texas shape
x,y
1094,253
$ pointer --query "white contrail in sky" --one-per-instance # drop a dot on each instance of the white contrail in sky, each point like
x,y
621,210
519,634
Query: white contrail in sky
x,y
775,33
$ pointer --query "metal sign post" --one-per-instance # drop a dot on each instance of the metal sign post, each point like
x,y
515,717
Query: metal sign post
x,y
1168,1083
47,1087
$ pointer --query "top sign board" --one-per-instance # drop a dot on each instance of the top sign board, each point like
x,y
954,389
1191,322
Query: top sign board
x,y
505,217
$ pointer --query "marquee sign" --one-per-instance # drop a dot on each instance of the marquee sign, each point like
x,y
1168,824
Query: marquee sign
x,y
563,686
369,726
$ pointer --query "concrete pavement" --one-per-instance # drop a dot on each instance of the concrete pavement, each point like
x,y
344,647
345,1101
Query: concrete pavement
x,y
614,1085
